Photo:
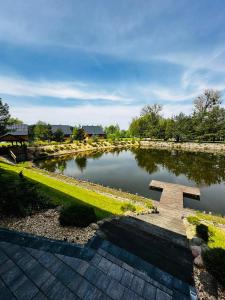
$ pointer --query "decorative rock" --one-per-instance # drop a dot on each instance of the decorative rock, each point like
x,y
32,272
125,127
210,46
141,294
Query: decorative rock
x,y
100,222
198,261
94,226
196,241
204,248
196,250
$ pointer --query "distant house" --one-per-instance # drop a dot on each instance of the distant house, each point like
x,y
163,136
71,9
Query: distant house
x,y
16,133
66,129
94,131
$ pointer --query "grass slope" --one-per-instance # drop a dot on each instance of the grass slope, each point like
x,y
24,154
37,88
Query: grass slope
x,y
62,193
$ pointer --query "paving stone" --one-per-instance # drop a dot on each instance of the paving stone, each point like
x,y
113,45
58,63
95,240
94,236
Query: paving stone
x,y
115,290
180,296
96,259
11,275
137,285
48,259
181,286
127,278
40,296
6,266
48,285
75,283
128,267
38,274
85,288
116,272
114,259
26,262
3,257
65,274
104,265
27,290
130,295
92,274
9,248
70,261
59,292
83,266
95,295
149,291
5,294
17,282
164,278
160,295
35,253
102,252
103,282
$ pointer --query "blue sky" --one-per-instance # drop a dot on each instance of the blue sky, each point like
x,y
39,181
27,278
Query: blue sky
x,y
98,62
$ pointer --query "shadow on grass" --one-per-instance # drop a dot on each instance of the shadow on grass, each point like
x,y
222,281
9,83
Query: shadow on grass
x,y
56,196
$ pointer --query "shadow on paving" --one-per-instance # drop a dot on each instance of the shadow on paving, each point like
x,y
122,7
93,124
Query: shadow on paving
x,y
141,239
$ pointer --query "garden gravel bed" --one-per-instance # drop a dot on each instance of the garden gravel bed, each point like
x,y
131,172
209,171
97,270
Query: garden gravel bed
x,y
207,287
46,224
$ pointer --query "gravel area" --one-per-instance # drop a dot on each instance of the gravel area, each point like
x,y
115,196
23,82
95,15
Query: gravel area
x,y
207,287
46,224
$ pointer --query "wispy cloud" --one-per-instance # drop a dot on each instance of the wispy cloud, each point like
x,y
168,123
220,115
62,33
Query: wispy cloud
x,y
57,89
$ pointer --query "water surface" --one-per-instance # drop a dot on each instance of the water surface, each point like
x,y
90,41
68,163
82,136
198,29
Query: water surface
x,y
132,170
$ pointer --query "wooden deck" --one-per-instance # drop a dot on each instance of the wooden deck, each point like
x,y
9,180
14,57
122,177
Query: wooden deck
x,y
172,194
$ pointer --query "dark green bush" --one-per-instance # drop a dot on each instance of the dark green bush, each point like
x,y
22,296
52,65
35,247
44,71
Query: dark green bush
x,y
214,260
20,197
77,215
202,232
128,207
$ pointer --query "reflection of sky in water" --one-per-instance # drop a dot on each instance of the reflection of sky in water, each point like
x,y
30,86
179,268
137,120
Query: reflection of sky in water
x,y
128,171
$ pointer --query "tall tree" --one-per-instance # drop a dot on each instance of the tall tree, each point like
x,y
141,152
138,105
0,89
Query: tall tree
x,y
207,100
14,121
42,131
58,136
4,117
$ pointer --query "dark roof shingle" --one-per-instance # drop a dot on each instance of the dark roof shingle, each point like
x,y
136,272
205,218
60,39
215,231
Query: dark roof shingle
x,y
17,129
95,130
66,129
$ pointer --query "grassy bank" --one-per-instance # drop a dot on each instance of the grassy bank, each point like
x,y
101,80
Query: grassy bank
x,y
215,226
62,192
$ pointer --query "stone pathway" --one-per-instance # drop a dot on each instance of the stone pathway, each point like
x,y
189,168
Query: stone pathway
x,y
38,268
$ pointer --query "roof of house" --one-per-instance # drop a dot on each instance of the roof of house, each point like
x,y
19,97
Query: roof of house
x,y
17,129
95,130
66,129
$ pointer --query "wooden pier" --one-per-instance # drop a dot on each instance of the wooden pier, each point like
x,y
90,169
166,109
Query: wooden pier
x,y
172,194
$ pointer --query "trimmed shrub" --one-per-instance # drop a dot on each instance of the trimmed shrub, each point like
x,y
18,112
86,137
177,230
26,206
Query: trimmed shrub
x,y
214,260
20,197
77,215
202,232
128,207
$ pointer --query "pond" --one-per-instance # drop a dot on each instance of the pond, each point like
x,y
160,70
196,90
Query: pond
x,y
132,171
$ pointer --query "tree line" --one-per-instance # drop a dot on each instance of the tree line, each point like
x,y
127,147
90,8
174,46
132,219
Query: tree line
x,y
206,123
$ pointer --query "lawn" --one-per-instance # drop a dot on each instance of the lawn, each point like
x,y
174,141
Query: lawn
x,y
215,228
63,193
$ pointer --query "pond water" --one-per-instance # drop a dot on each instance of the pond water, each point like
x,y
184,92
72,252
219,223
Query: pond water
x,y
132,170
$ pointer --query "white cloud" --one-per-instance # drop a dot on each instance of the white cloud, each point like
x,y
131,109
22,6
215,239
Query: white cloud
x,y
63,90
86,114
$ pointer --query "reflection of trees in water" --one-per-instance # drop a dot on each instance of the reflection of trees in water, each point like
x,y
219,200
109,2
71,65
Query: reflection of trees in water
x,y
61,165
203,168
81,162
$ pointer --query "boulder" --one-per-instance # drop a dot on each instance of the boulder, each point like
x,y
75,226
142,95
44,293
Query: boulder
x,y
196,241
94,226
196,250
198,261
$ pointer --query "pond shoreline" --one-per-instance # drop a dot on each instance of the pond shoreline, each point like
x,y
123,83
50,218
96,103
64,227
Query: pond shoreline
x,y
186,146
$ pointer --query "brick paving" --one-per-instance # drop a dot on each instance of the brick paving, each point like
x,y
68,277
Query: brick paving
x,y
99,270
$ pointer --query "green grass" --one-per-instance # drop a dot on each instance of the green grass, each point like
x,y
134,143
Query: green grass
x,y
216,234
63,193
